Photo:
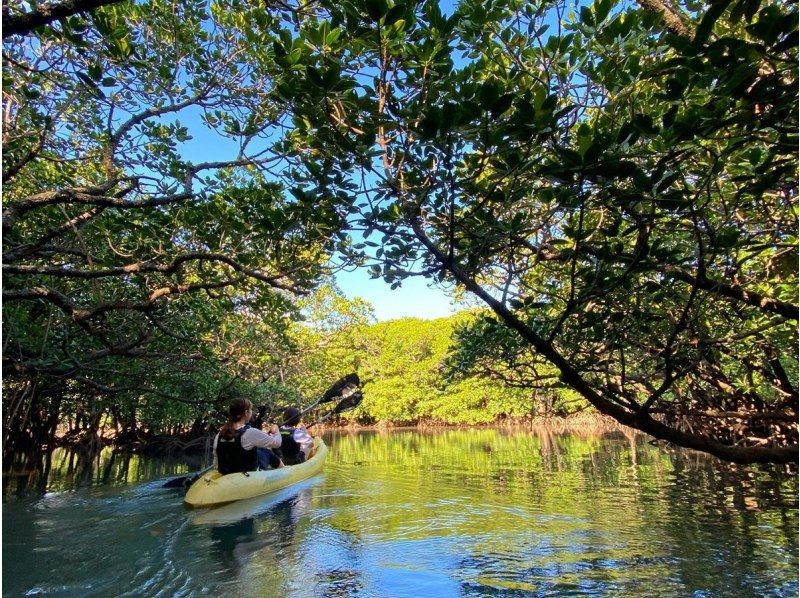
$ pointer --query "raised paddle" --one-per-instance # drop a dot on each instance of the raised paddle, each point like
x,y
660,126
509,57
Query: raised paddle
x,y
351,398
346,388
334,392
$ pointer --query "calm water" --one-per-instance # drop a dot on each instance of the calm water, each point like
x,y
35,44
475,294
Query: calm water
x,y
450,513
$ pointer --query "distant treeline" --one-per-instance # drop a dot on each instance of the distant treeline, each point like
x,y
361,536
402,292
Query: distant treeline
x,y
413,372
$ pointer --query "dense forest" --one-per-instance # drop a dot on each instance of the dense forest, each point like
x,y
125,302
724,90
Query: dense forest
x,y
614,182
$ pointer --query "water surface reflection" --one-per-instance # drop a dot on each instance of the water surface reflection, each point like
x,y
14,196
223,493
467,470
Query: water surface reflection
x,y
447,513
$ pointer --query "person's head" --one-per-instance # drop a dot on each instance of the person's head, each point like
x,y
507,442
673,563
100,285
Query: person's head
x,y
291,416
239,409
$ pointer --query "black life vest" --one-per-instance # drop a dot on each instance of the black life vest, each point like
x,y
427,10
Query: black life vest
x,y
290,448
232,458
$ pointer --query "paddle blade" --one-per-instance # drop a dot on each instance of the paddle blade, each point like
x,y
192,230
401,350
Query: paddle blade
x,y
338,388
351,401
183,482
176,482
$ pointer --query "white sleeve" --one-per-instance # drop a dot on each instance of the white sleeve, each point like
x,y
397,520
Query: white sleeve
x,y
304,439
214,452
253,437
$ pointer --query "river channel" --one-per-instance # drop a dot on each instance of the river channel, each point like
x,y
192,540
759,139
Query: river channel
x,y
476,512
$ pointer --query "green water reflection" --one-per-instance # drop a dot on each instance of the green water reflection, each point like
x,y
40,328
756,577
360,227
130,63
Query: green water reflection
x,y
67,469
447,513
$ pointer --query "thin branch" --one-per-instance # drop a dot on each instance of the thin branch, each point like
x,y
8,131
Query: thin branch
x,y
145,267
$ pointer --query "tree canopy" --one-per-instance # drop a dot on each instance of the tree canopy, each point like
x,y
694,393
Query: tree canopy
x,y
129,257
620,190
617,183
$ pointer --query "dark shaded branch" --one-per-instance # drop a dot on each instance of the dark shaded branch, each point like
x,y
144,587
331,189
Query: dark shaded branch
x,y
45,14
14,169
785,309
79,314
607,405
785,416
70,225
142,389
83,196
146,267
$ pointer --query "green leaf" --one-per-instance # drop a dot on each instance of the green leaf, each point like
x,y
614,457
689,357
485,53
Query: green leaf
x,y
96,92
395,14
280,51
549,103
727,238
601,9
429,124
315,76
95,71
502,104
31,93
709,19
587,18
489,94
376,9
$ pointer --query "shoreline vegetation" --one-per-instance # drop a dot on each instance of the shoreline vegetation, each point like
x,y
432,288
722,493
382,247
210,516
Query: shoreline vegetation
x,y
583,422
404,364
559,423
81,460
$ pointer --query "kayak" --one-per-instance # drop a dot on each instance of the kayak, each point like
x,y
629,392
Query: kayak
x,y
213,488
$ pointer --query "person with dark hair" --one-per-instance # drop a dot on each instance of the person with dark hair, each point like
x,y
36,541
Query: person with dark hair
x,y
239,447
296,442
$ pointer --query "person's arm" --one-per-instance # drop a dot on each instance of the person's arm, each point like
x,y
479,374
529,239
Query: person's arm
x,y
304,439
253,437
214,452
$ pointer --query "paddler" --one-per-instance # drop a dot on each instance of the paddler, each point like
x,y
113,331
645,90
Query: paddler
x,y
239,447
296,442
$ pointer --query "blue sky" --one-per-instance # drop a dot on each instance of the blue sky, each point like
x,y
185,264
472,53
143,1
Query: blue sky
x,y
413,299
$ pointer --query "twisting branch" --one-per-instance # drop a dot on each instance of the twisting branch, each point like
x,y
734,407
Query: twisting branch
x,y
136,388
605,404
145,267
81,197
23,24
70,225
154,112
782,308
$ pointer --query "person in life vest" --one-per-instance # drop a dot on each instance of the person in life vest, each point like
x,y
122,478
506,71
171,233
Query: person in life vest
x,y
296,442
239,447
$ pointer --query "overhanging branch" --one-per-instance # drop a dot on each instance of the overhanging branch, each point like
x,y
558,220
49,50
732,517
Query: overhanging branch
x,y
23,24
635,419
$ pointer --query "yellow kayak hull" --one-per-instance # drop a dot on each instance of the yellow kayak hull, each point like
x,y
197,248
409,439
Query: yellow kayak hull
x,y
213,488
